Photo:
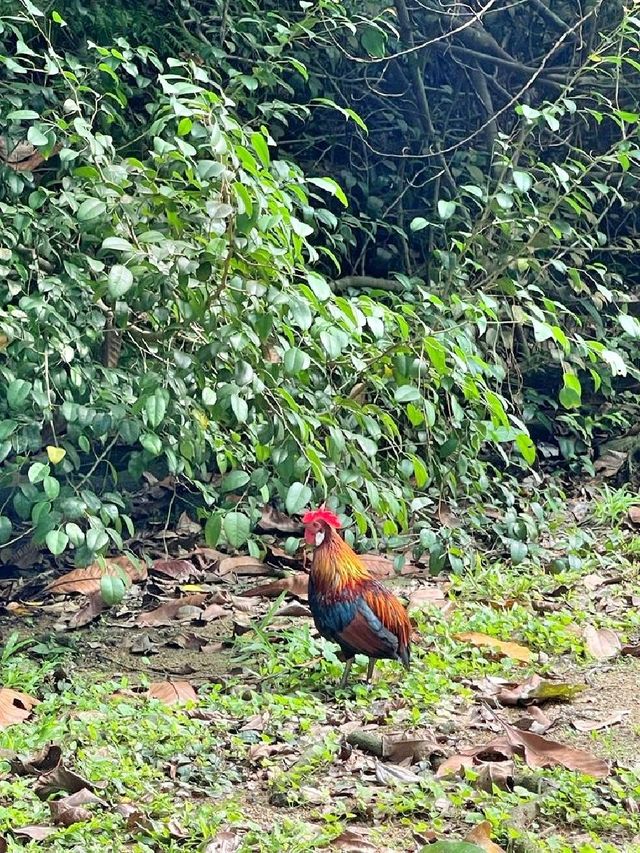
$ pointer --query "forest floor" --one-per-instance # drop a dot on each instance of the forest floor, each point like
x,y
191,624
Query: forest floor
x,y
194,717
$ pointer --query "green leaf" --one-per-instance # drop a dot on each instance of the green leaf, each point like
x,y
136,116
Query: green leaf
x,y
446,209
57,541
522,180
155,407
319,286
212,530
630,324
37,472
75,533
117,244
407,394
6,528
234,480
119,281
518,551
236,527
261,148
51,487
96,538
91,208
112,589
452,847
36,136
526,447
295,361
570,394
374,40
331,186
152,443
419,223
240,408
17,393
298,497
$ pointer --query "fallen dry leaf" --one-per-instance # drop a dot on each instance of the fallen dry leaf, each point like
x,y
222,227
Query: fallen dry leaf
x,y
541,752
213,611
168,612
275,521
15,707
634,514
353,842
294,609
395,774
481,835
536,721
633,651
175,569
70,810
225,841
536,689
503,649
171,692
497,774
601,643
87,580
34,833
297,584
584,725
242,565
42,762
88,612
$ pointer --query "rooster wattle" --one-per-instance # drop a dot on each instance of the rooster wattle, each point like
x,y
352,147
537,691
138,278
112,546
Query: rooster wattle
x,y
348,605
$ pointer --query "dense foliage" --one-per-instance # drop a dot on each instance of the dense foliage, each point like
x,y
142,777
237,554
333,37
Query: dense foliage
x,y
194,201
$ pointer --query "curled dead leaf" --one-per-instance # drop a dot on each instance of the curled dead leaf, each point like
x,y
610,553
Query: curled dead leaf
x,y
297,584
15,707
168,612
177,569
536,689
71,809
585,725
481,835
499,647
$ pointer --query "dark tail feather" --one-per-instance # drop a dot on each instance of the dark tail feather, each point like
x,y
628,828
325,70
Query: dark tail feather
x,y
404,657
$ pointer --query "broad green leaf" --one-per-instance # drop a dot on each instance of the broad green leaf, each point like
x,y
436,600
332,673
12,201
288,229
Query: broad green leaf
x,y
51,487
36,136
119,281
57,541
212,529
452,847
117,244
319,286
526,447
91,208
615,361
522,180
236,527
112,589
446,209
261,148
518,551
17,393
571,393
298,497
234,480
37,472
152,443
240,408
419,223
331,186
295,360
96,538
406,394
630,324
6,528
75,533
155,407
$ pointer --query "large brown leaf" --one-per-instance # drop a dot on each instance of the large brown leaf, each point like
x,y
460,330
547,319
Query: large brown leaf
x,y
69,810
297,584
541,752
499,647
481,835
88,612
15,707
180,570
602,643
87,580
168,612
536,689
172,692
243,565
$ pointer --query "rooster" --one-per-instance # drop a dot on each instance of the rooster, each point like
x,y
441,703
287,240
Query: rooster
x,y
348,605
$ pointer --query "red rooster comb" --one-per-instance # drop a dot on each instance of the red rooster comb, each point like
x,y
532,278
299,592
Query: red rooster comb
x,y
322,514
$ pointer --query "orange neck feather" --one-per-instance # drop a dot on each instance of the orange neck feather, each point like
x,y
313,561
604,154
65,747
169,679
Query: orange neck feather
x,y
335,565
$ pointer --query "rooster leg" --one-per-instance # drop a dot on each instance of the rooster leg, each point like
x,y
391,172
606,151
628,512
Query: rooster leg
x,y
370,668
345,674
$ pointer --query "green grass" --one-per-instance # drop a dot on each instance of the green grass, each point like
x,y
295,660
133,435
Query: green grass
x,y
186,772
